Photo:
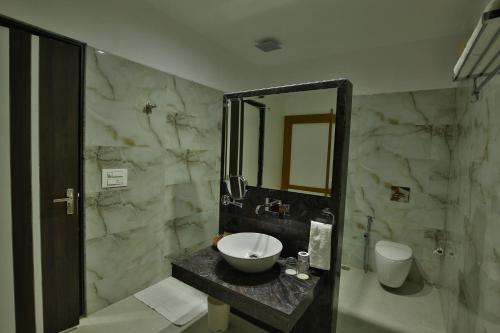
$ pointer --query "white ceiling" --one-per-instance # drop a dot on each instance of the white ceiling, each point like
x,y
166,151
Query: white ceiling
x,y
311,29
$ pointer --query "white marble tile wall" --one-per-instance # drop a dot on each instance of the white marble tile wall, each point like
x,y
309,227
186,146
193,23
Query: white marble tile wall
x,y
172,155
400,139
471,270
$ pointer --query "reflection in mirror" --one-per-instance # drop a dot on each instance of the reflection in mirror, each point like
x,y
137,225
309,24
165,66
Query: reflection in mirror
x,y
308,153
236,188
244,139
283,141
253,139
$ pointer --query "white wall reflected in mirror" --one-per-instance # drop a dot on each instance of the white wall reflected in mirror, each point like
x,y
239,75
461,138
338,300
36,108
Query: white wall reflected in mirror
x,y
301,159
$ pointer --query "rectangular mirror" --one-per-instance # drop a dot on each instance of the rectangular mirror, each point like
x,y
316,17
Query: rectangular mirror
x,y
282,140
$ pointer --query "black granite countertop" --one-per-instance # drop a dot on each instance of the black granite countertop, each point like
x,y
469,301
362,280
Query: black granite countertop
x,y
272,297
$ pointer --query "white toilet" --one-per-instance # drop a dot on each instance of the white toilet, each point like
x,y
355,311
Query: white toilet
x,y
393,261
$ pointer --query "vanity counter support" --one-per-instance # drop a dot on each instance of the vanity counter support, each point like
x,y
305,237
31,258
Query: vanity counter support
x,y
272,297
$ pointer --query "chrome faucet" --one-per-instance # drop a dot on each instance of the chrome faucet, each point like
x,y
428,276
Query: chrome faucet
x,y
267,205
328,212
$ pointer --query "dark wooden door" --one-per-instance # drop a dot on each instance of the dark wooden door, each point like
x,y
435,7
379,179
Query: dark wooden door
x,y
59,93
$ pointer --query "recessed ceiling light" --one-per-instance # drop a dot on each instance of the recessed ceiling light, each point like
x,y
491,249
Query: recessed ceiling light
x,y
100,51
268,44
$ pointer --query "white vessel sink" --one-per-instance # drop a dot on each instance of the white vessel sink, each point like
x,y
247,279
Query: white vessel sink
x,y
250,252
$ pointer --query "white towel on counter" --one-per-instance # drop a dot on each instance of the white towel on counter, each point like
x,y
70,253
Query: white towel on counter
x,y
320,245
174,300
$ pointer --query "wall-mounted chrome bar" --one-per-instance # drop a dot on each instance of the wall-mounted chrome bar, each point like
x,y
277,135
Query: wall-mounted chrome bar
x,y
480,61
477,87
366,236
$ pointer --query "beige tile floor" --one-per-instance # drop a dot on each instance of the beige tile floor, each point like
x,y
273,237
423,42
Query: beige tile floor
x,y
365,306
132,316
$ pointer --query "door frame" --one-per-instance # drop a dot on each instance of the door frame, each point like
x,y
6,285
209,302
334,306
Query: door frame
x,y
289,122
22,241
262,131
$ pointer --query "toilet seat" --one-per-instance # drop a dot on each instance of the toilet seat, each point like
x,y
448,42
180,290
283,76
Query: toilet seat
x,y
393,262
394,251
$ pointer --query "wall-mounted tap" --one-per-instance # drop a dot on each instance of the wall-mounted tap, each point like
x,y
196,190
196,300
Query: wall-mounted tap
x,y
271,203
440,238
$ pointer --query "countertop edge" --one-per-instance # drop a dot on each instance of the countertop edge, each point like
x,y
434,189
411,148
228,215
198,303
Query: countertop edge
x,y
255,309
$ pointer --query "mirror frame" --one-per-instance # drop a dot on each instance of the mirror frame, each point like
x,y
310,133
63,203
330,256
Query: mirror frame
x,y
342,123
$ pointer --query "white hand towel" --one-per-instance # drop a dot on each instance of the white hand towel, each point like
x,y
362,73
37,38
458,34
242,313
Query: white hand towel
x,y
320,244
174,300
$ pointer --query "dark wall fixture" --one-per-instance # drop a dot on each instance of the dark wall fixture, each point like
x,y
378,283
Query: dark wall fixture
x,y
293,228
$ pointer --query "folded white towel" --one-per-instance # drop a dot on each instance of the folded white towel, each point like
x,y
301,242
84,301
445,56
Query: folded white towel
x,y
174,300
320,244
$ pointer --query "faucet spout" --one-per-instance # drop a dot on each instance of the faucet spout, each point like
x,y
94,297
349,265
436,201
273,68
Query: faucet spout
x,y
267,205
273,203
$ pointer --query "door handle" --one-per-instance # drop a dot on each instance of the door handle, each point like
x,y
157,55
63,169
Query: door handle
x,y
69,200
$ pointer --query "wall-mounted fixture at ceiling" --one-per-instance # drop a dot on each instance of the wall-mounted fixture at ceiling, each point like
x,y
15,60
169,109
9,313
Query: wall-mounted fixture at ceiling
x,y
480,60
268,44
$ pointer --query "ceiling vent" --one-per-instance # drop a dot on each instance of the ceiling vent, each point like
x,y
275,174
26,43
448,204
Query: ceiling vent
x,y
268,44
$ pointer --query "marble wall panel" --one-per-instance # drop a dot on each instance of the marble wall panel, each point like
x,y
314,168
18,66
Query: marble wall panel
x,y
400,139
470,272
170,206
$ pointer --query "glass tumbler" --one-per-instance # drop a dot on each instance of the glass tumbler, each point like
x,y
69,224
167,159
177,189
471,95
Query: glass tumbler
x,y
303,265
291,266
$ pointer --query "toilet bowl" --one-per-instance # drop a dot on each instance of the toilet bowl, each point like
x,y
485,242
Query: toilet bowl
x,y
393,262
